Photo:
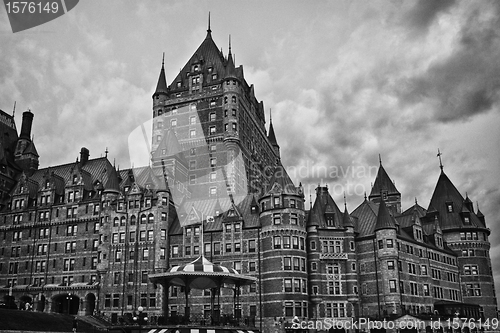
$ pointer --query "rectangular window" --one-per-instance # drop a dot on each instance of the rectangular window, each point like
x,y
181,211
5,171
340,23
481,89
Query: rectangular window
x,y
251,245
392,286
277,242
217,248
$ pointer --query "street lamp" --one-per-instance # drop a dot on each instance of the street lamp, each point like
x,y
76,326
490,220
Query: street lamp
x,y
69,298
140,318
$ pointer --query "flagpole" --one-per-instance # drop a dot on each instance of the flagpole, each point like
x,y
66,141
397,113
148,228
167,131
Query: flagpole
x,y
201,238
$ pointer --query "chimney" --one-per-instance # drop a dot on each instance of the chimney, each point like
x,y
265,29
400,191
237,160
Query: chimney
x,y
26,125
84,156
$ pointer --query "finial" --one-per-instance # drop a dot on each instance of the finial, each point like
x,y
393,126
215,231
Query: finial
x,y
345,202
163,60
14,110
365,195
380,159
416,202
209,30
106,152
440,162
270,115
229,43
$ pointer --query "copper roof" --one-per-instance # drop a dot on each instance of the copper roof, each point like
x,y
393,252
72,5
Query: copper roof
x,y
446,194
383,183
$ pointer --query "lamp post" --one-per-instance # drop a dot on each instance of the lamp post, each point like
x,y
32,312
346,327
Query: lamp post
x,y
69,298
140,318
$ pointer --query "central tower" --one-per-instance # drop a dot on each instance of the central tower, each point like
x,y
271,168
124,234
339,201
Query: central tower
x,y
218,126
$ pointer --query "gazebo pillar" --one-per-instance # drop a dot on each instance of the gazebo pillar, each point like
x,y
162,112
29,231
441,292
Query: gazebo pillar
x,y
187,312
166,292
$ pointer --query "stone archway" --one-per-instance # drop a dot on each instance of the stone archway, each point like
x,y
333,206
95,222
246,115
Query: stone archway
x,y
26,302
90,301
66,303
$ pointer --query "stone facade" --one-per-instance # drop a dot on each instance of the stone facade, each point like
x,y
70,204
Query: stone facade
x,y
83,237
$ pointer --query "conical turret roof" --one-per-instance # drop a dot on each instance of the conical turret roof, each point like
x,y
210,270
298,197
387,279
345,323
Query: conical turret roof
x,y
384,218
161,86
113,183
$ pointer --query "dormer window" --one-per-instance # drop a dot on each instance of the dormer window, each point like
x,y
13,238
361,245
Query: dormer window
x,y
466,220
47,184
178,84
196,68
276,201
449,207
214,76
384,195
210,69
329,220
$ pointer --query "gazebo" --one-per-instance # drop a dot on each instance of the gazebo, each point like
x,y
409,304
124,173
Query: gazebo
x,y
202,274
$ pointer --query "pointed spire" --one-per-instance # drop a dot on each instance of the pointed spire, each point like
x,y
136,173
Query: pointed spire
x,y
230,67
161,87
271,136
209,31
14,109
346,221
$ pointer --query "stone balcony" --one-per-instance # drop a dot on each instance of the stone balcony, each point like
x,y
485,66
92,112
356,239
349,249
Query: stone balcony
x,y
333,256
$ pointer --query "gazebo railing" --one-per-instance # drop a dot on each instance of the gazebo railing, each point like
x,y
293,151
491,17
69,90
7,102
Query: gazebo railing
x,y
206,320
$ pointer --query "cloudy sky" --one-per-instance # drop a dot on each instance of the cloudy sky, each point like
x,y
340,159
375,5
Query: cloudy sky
x,y
346,81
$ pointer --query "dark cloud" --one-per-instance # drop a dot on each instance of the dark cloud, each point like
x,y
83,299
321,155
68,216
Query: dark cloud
x,y
466,83
421,16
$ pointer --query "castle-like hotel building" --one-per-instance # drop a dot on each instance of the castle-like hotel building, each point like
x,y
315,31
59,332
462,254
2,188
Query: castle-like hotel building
x,y
84,237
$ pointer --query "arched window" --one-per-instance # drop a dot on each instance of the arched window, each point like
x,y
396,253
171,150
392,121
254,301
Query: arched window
x,y
132,220
143,219
116,222
151,218
122,220
233,99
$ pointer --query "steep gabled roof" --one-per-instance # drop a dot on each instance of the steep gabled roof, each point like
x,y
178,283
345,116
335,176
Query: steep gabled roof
x,y
415,209
324,204
207,53
169,147
446,193
383,183
366,213
281,182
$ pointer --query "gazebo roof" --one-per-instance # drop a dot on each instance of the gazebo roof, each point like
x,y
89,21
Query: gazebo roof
x,y
201,274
